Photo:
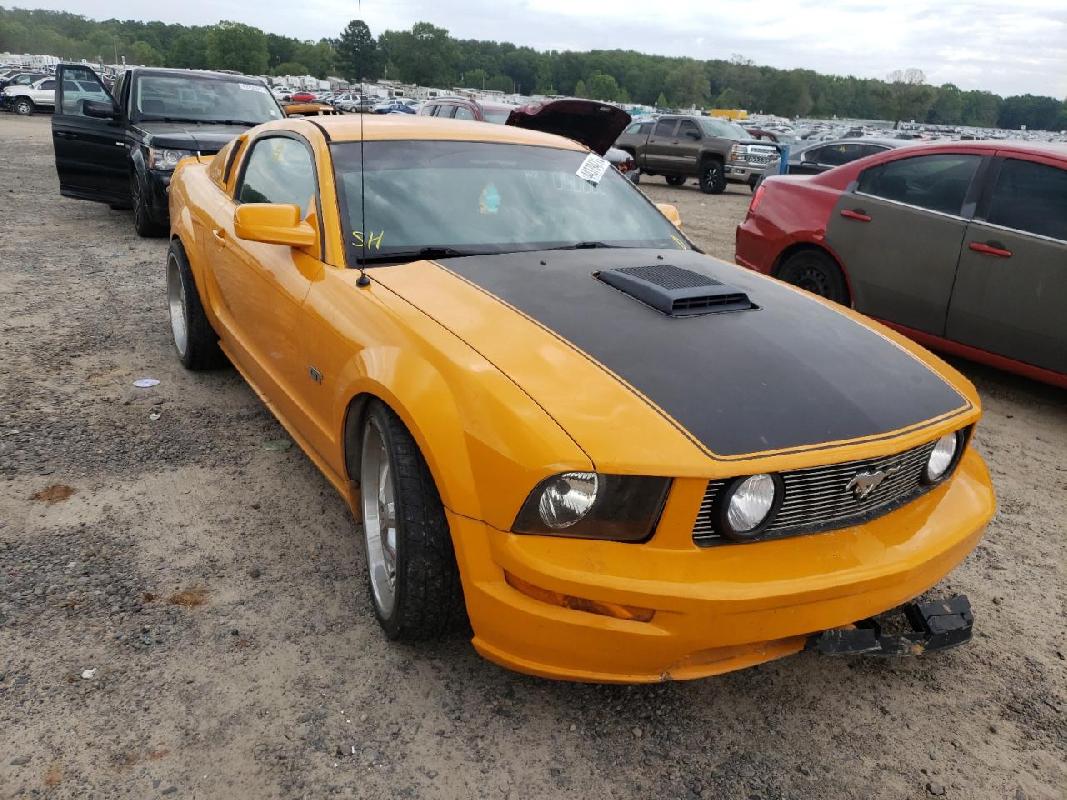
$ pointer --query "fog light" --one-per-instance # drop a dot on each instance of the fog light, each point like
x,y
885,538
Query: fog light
x,y
942,457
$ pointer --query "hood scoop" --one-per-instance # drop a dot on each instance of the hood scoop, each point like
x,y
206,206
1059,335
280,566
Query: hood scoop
x,y
675,291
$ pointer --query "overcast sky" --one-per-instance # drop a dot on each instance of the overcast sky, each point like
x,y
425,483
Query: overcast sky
x,y
1006,46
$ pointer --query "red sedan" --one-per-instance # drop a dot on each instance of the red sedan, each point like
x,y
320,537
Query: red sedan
x,y
960,245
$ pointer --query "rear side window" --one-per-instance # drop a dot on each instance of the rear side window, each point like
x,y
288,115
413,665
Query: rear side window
x,y
934,182
279,170
665,127
1030,197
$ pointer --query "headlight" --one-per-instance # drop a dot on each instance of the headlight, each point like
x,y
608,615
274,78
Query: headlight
x,y
567,498
748,506
943,457
166,159
590,505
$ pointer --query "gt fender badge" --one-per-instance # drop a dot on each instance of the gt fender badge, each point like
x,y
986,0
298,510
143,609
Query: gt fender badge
x,y
315,374
863,483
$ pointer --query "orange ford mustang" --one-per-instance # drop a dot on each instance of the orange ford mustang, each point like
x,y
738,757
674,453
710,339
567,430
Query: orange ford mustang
x,y
617,458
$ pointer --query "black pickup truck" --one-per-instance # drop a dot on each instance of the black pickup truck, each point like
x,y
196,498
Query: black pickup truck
x,y
120,147
713,151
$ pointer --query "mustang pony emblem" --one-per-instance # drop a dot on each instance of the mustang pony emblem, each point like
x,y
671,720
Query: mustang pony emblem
x,y
866,482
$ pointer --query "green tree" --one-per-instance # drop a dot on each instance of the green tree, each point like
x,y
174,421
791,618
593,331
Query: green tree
x,y
425,55
500,83
233,45
357,52
947,108
602,87
188,50
687,85
580,90
143,54
291,68
475,78
320,57
661,101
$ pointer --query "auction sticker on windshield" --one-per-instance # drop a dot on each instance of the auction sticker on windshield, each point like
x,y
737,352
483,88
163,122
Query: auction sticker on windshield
x,y
593,168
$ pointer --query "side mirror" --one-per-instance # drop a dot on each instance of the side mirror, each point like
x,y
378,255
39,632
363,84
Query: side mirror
x,y
99,109
670,211
273,223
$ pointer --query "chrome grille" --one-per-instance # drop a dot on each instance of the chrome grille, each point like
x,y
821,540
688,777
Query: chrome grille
x,y
818,498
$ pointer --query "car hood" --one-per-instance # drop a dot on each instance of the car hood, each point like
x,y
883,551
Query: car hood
x,y
207,138
596,125
793,374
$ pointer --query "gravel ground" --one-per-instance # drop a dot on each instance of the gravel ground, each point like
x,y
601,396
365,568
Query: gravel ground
x,y
182,608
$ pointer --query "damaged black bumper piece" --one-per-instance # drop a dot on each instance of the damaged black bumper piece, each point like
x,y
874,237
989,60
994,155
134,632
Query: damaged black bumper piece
x,y
936,625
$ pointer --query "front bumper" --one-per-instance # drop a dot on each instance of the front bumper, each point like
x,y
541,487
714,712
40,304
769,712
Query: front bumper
x,y
743,171
716,609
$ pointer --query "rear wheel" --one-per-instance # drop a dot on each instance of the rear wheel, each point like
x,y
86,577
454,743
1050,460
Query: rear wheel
x,y
23,106
817,273
712,177
143,221
411,565
675,180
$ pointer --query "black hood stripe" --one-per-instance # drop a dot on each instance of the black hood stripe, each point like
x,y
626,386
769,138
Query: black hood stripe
x,y
795,375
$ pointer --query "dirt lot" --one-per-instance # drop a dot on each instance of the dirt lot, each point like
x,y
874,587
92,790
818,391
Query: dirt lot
x,y
167,539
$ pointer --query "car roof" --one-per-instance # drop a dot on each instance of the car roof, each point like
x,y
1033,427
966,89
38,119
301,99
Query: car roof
x,y
194,73
352,128
1053,149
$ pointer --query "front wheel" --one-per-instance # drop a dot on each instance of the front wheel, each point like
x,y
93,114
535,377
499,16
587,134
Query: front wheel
x,y
411,565
24,106
817,273
675,180
143,221
712,177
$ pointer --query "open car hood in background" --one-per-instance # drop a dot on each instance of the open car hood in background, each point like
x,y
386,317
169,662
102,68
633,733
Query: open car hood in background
x,y
596,125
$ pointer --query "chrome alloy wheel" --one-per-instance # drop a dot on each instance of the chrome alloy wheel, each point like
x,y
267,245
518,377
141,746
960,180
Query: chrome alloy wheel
x,y
378,496
176,302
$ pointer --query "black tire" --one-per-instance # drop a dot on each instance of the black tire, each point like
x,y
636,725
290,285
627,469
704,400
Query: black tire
x,y
816,272
23,106
676,180
712,177
428,601
143,221
201,350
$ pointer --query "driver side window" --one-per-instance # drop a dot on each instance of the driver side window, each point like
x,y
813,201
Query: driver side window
x,y
80,84
279,170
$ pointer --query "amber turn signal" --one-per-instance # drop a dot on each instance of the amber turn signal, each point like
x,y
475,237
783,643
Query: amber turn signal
x,y
579,603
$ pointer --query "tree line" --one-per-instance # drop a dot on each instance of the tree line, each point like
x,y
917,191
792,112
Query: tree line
x,y
427,55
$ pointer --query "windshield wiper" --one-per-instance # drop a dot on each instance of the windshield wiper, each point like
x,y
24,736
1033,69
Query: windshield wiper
x,y
244,122
424,252
587,246
160,118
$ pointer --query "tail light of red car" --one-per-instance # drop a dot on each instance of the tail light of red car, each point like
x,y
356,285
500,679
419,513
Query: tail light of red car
x,y
757,197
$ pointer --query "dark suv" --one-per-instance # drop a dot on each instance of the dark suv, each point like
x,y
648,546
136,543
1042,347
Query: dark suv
x,y
121,147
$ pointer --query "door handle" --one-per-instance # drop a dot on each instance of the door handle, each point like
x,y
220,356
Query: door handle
x,y
65,135
857,214
991,249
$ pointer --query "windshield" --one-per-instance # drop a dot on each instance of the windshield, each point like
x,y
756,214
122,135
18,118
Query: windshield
x,y
479,197
723,129
193,99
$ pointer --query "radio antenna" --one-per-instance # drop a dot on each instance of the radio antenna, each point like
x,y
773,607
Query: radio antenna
x,y
363,280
